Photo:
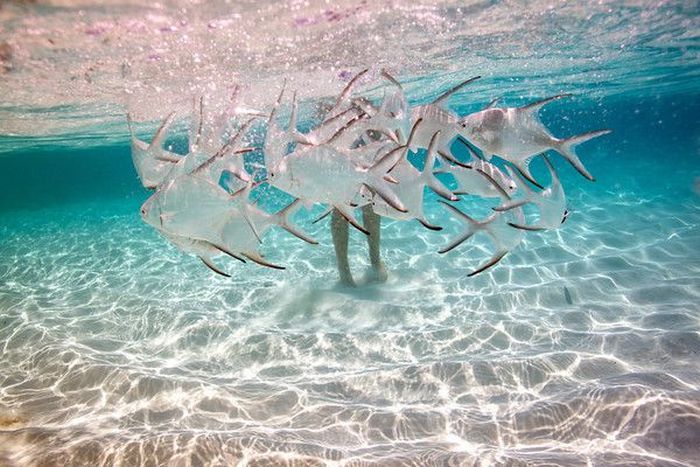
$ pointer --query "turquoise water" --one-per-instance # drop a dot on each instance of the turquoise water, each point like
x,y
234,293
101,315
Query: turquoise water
x,y
581,347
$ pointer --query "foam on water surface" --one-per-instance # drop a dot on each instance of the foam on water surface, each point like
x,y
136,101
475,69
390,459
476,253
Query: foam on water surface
x,y
581,347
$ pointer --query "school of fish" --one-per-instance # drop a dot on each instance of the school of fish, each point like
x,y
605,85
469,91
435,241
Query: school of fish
x,y
357,155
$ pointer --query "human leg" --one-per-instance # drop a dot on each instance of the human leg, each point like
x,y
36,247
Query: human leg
x,y
340,234
372,223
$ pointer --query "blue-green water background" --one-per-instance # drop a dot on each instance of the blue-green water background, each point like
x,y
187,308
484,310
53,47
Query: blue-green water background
x,y
585,335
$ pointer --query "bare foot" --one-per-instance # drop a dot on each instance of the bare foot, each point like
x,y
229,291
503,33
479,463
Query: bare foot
x,y
346,280
378,273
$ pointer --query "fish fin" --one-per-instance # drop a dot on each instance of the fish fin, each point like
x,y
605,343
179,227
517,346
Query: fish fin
x,y
255,257
394,156
534,107
385,193
388,161
284,220
567,146
427,175
492,103
249,221
428,225
167,156
323,215
210,264
524,171
161,132
292,127
454,89
390,179
350,217
391,79
456,242
471,221
492,262
531,228
552,172
226,148
365,105
197,126
278,102
226,251
507,206
343,129
342,97
493,182
448,157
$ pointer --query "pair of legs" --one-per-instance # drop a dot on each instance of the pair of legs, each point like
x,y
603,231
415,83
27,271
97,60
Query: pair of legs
x,y
339,231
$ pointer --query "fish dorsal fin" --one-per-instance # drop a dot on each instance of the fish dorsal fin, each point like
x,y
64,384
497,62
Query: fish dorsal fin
x,y
537,105
555,183
159,137
445,95
292,127
226,148
275,107
347,90
197,124
385,74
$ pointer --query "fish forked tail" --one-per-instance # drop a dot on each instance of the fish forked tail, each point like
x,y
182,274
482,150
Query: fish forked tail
x,y
284,219
428,177
378,182
566,147
473,226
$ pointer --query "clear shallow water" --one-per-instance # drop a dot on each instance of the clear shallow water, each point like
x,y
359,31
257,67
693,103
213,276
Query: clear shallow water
x,y
582,347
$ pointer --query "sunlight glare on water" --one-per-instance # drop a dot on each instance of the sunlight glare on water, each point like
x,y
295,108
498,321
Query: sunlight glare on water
x,y
582,347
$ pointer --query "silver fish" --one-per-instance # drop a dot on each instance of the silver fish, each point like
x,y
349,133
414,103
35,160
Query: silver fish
x,y
323,174
550,202
410,187
516,134
436,117
470,180
497,227
152,161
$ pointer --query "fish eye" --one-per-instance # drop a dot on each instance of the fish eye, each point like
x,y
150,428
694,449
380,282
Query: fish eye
x,y
143,211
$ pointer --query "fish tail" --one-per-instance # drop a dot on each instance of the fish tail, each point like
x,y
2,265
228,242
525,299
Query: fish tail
x,y
472,227
567,149
284,220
